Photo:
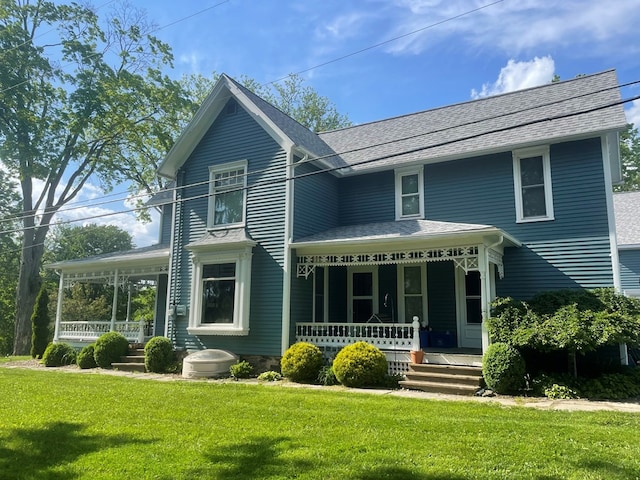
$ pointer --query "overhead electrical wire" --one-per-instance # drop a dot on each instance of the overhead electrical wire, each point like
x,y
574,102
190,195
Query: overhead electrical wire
x,y
331,169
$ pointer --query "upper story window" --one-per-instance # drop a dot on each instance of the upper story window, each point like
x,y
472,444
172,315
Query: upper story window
x,y
227,194
532,182
409,193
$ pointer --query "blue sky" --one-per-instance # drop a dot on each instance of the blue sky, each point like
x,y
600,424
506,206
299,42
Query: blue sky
x,y
455,56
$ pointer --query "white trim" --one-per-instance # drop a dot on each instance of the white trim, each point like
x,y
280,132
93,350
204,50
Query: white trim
x,y
286,261
403,172
613,238
240,326
221,168
518,155
402,315
374,287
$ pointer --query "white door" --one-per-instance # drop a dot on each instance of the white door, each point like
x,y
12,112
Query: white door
x,y
469,302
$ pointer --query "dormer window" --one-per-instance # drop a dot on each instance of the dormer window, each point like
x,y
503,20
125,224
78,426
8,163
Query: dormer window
x,y
409,194
532,182
227,194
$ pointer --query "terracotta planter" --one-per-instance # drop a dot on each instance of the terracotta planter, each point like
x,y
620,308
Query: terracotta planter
x,y
417,356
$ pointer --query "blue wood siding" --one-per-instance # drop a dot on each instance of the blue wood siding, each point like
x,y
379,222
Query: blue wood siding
x,y
441,297
232,138
629,269
367,198
315,201
166,216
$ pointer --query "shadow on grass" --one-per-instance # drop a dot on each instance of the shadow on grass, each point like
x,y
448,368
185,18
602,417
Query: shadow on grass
x,y
259,457
395,473
36,452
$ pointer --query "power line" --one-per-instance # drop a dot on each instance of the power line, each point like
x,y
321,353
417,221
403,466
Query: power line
x,y
331,169
353,150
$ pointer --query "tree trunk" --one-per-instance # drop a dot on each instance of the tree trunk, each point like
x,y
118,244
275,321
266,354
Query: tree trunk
x,y
29,283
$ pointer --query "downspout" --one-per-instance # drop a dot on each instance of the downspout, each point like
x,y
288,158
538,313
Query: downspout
x,y
288,229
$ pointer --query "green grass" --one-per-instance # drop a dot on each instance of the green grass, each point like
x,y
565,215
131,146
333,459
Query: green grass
x,y
58,425
14,358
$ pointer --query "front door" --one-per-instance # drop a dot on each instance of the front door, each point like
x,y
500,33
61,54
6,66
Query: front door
x,y
363,293
469,302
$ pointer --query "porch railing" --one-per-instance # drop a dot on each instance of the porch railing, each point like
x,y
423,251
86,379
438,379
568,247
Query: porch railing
x,y
83,331
403,336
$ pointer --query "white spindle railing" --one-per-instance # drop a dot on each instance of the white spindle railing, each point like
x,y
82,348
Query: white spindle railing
x,y
133,331
403,336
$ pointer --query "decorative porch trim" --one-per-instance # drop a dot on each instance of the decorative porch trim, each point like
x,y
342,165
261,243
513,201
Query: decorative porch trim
x,y
465,257
496,258
107,277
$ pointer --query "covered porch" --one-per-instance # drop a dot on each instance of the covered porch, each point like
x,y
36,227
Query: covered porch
x,y
401,286
119,274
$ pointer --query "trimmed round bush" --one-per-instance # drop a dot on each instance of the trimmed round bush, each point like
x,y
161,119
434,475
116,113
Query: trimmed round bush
x,y
109,348
58,354
503,368
241,370
360,365
159,356
301,362
85,357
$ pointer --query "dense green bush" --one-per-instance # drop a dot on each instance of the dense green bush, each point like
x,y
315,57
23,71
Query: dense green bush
x,y
270,376
241,370
159,356
109,348
301,362
86,357
58,354
503,368
40,324
612,386
360,365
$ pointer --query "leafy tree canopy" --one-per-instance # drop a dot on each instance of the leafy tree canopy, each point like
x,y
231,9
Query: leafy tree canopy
x,y
70,242
630,159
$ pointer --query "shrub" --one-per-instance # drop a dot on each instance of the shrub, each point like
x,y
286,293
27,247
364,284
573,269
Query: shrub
x,y
326,376
109,348
503,368
360,365
270,376
58,354
40,324
85,357
241,370
159,356
560,392
301,362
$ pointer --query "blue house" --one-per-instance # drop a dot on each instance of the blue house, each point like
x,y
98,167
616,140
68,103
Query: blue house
x,y
273,234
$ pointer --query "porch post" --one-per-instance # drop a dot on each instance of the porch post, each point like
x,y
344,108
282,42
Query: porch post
x,y
114,306
56,333
128,302
485,292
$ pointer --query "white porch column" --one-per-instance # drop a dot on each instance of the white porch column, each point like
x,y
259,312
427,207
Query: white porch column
x,y
56,333
485,293
128,302
114,306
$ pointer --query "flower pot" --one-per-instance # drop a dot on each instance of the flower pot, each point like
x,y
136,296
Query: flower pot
x,y
417,356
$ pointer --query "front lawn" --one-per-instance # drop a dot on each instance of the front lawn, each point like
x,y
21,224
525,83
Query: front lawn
x,y
60,425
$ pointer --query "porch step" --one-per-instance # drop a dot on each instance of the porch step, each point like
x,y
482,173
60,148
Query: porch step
x,y
133,362
452,379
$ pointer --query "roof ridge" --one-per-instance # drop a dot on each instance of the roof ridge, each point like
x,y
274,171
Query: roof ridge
x,y
474,100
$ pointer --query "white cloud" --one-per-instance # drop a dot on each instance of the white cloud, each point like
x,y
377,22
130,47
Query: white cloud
x,y
519,75
633,113
193,60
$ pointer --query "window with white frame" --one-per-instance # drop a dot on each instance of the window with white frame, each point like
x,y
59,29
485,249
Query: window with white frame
x,y
409,193
412,287
532,182
220,293
227,194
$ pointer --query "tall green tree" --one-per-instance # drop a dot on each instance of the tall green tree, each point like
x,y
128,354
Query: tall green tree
x,y
40,324
77,95
630,159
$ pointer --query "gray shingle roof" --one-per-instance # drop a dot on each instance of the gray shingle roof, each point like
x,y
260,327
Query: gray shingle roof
x,y
627,212
232,236
463,130
153,254
405,230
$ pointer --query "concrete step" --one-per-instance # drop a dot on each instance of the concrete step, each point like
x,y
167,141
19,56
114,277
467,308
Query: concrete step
x,y
128,367
444,378
433,387
132,359
446,369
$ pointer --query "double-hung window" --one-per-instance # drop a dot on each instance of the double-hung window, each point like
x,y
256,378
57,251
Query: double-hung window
x,y
227,191
532,182
409,194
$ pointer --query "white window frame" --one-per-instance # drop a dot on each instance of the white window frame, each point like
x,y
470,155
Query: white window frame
x,y
518,155
241,302
405,172
213,171
402,294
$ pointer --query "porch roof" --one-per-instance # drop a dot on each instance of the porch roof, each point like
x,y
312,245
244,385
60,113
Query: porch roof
x,y
137,262
403,231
